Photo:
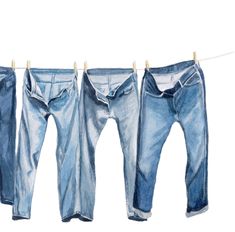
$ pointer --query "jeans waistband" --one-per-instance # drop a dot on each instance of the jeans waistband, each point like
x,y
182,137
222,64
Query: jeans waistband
x,y
173,68
191,67
46,75
109,71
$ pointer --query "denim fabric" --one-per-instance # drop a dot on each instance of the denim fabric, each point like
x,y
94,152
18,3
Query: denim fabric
x,y
48,92
175,93
7,133
107,93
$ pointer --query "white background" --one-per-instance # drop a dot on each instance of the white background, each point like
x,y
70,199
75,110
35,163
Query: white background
x,y
113,34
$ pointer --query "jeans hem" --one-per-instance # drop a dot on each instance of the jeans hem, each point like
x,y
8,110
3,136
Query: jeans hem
x,y
68,217
16,217
142,215
6,202
193,213
136,218
84,218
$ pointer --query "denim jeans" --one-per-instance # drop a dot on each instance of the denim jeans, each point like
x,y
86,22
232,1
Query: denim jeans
x,y
7,133
107,93
174,93
48,92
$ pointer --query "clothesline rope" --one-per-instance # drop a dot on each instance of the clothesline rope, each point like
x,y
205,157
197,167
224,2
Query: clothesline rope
x,y
217,56
200,60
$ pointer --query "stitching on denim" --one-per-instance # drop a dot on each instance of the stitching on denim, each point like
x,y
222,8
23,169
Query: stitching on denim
x,y
185,83
153,95
181,85
205,144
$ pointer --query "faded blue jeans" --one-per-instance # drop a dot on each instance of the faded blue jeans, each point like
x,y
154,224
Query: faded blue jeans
x,y
7,133
107,93
175,93
48,92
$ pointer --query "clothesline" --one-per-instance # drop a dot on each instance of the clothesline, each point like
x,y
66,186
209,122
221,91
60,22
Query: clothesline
x,y
142,69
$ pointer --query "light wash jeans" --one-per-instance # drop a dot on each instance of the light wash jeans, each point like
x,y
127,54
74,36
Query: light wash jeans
x,y
175,93
48,92
7,133
107,93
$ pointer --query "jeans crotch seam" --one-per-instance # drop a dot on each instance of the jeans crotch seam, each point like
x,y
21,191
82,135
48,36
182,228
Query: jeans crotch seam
x,y
46,115
174,109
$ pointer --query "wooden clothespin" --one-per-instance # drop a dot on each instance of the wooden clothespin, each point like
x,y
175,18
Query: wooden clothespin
x,y
13,65
28,65
75,67
134,67
85,66
147,64
195,56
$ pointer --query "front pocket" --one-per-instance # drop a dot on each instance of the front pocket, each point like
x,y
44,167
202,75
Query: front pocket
x,y
193,80
127,91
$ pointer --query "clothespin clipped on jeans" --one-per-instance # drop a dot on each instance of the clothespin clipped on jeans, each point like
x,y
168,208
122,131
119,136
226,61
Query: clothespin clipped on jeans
x,y
13,65
134,67
28,64
147,64
195,57
75,67
85,67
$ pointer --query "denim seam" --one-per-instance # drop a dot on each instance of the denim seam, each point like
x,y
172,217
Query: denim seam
x,y
55,82
204,132
126,182
185,84
153,95
205,144
176,112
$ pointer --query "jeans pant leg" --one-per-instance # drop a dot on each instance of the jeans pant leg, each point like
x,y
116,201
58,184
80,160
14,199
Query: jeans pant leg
x,y
7,134
48,92
181,86
32,130
65,113
93,117
126,112
193,119
156,119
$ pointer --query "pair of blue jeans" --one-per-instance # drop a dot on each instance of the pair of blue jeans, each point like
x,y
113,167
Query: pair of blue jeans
x,y
48,92
7,133
107,94
174,93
